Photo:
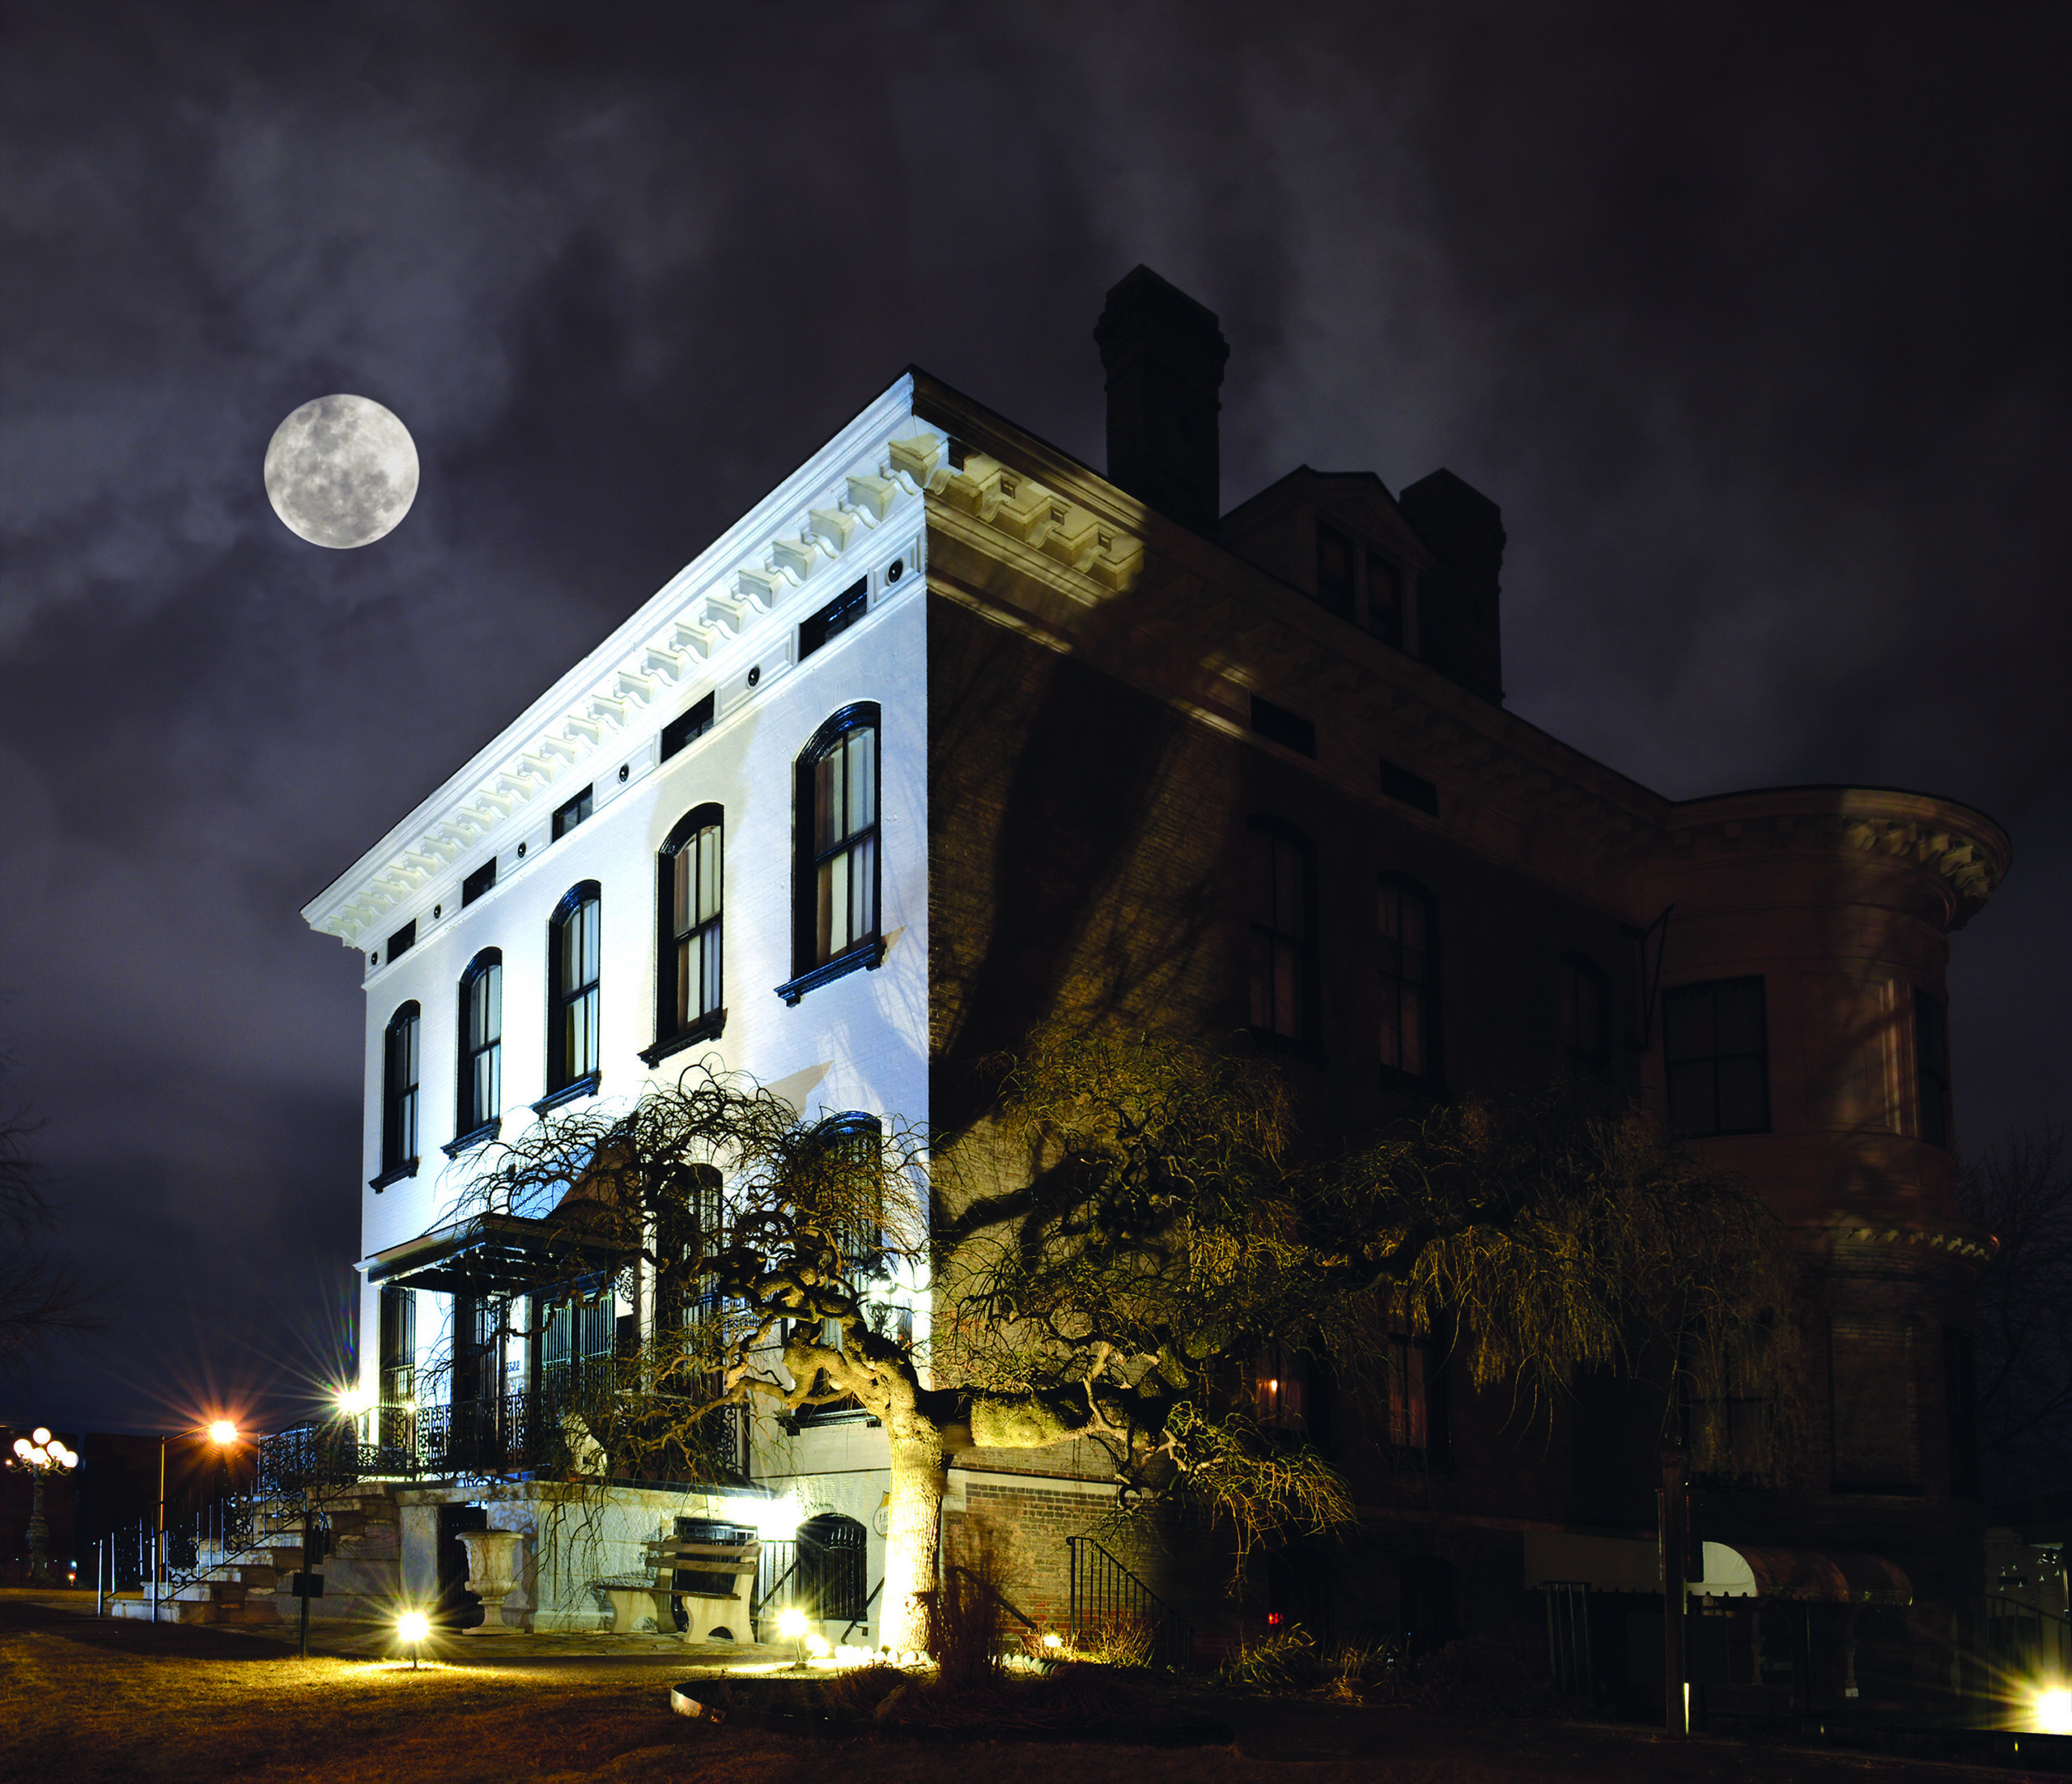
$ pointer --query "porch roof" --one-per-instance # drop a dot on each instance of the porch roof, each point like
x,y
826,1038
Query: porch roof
x,y
497,1255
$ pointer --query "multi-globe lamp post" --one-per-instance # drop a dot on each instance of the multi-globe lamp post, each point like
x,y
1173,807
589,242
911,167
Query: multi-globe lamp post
x,y
41,1454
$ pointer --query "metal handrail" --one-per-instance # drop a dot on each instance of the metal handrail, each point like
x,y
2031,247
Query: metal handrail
x,y
1103,1587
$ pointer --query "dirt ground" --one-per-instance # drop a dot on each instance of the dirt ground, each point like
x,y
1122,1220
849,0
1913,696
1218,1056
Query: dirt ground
x,y
83,1699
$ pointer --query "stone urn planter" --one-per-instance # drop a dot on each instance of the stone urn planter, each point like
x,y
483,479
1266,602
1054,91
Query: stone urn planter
x,y
492,1573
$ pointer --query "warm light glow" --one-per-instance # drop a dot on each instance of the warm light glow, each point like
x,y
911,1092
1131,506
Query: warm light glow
x,y
353,1401
792,1623
774,1520
222,1432
41,1434
1053,1640
22,1447
414,1627
2054,1711
819,1646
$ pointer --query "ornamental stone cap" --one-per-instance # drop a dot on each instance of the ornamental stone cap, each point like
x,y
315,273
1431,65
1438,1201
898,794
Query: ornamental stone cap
x,y
1967,850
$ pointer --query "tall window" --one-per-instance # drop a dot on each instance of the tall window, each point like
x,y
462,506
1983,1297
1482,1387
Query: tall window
x,y
838,823
1410,1420
577,1346
482,1043
1384,600
1585,1016
686,1233
1403,917
399,1090
689,982
1283,931
1931,1064
572,966
399,1364
1716,1042
1278,1377
852,1158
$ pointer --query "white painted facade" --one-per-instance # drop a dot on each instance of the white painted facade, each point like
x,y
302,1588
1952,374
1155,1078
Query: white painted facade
x,y
728,625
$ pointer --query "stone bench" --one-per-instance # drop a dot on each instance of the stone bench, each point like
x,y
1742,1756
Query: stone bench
x,y
630,1597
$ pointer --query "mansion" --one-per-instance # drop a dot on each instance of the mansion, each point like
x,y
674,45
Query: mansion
x,y
952,736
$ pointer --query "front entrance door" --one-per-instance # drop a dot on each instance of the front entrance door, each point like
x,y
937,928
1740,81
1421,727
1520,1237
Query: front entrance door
x,y
458,1607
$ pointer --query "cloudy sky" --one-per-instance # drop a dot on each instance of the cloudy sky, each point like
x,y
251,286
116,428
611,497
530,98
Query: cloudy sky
x,y
1754,320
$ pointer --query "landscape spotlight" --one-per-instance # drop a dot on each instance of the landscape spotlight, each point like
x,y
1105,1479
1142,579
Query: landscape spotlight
x,y
414,1628
792,1625
2054,1711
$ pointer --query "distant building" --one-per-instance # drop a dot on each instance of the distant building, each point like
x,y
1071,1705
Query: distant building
x,y
1114,755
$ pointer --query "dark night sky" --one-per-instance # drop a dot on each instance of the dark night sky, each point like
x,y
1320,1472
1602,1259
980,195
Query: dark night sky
x,y
1754,320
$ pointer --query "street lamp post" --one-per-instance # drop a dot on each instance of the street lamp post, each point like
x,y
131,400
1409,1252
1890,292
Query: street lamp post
x,y
41,1454
222,1434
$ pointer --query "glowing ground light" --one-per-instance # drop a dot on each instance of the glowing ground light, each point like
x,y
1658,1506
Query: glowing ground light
x,y
2054,1711
792,1624
414,1628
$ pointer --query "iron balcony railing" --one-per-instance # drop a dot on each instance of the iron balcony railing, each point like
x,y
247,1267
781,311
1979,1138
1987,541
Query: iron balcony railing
x,y
1109,1600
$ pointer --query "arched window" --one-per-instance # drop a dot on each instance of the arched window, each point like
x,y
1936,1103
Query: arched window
x,y
573,965
687,978
835,923
1408,976
399,1096
1585,1015
1283,904
481,1075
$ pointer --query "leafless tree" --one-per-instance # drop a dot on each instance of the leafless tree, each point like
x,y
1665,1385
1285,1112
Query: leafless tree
x,y
42,1298
2020,1191
1109,1256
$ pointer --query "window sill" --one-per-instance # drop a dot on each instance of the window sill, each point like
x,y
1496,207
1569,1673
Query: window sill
x,y
708,1027
474,1137
395,1174
866,956
584,1087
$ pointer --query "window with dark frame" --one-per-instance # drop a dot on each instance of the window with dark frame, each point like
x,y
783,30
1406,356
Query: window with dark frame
x,y
689,986
838,875
1384,600
838,616
1410,1420
1279,1381
573,963
401,942
1716,1049
1586,1020
1290,730
852,1141
1282,908
1931,1065
578,1345
482,1043
574,813
1406,972
1335,560
1407,789
399,1094
478,882
397,1381
687,727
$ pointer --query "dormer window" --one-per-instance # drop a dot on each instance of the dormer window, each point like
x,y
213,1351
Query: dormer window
x,y
1334,560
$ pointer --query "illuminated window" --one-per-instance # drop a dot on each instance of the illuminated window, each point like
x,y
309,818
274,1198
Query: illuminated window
x,y
573,940
837,883
1586,1019
481,1042
1931,1061
1407,978
398,1365
688,983
399,1090
1716,1044
1279,1377
1283,926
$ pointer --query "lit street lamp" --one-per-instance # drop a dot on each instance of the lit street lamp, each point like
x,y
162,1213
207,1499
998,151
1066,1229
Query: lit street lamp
x,y
41,1454
221,1432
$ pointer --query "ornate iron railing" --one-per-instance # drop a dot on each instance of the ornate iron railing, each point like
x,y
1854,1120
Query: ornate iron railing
x,y
1105,1596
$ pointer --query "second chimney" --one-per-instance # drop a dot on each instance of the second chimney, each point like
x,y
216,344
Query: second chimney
x,y
1164,356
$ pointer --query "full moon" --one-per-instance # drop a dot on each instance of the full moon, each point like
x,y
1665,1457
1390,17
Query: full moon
x,y
342,472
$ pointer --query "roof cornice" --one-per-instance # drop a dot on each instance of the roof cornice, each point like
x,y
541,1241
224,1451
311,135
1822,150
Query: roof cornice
x,y
723,606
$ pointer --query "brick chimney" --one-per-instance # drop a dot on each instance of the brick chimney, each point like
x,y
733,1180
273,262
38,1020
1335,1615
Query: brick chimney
x,y
1457,616
1164,356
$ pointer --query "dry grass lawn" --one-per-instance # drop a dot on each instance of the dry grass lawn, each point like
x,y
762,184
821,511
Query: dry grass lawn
x,y
83,1700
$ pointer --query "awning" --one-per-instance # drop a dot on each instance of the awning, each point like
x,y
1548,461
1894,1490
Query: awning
x,y
1633,1564
500,1254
